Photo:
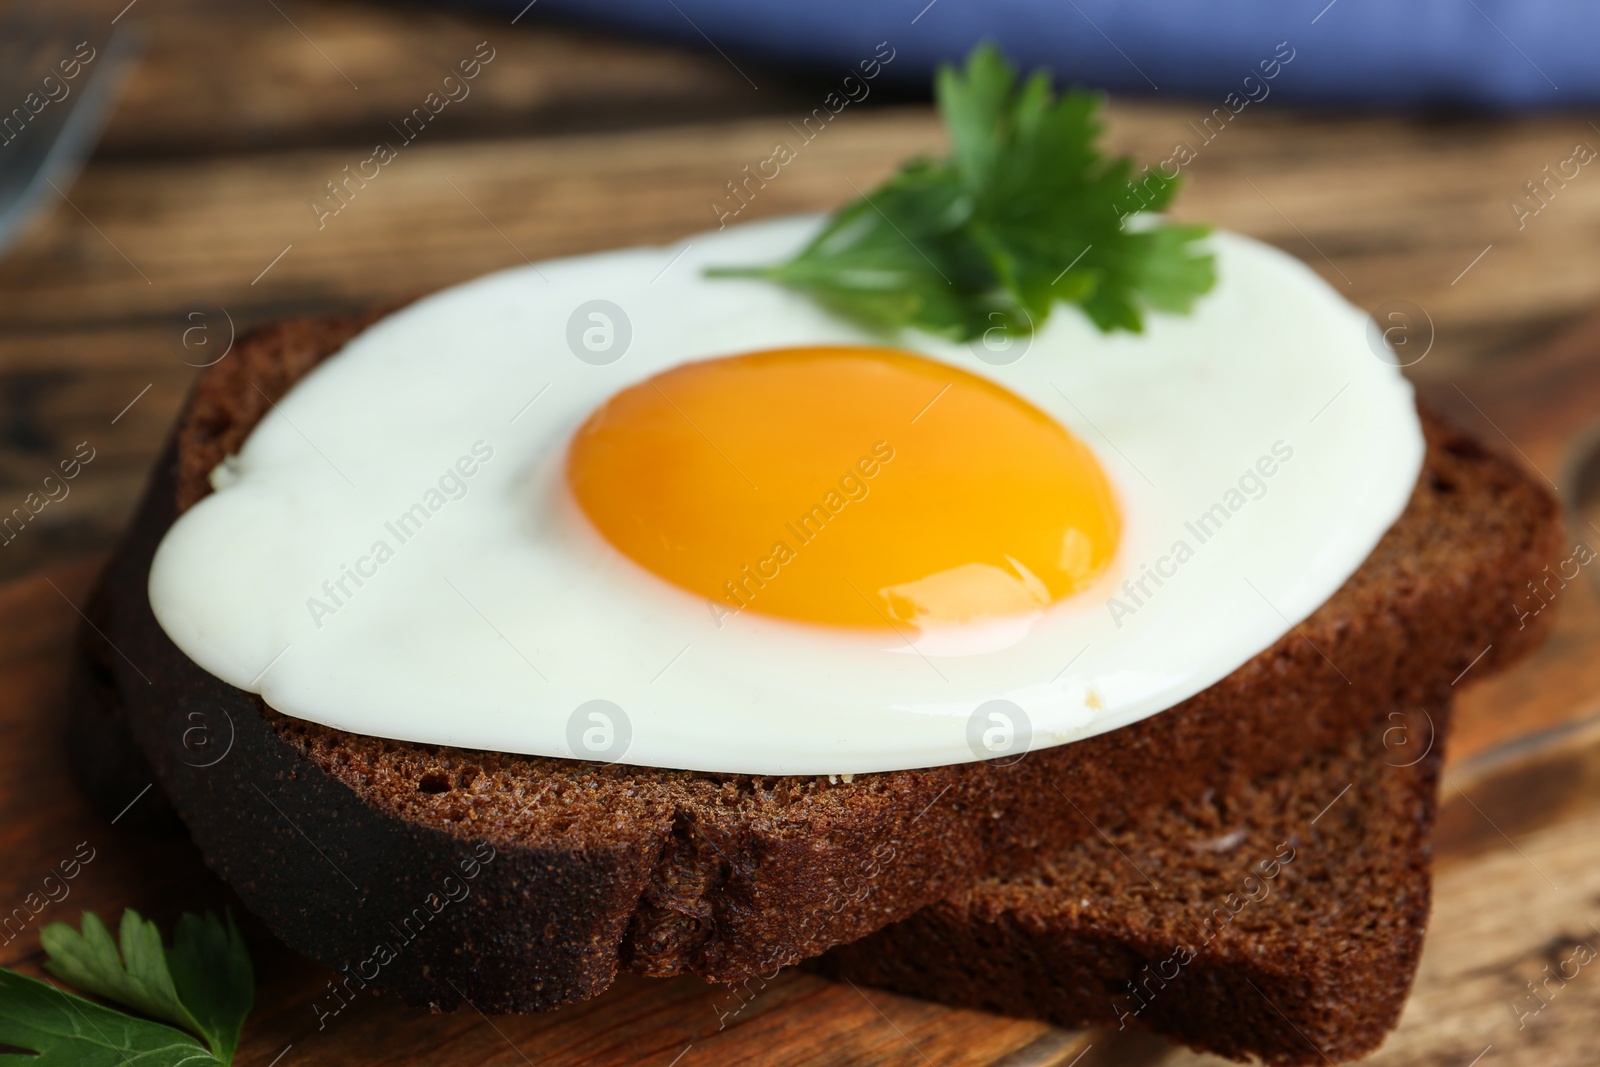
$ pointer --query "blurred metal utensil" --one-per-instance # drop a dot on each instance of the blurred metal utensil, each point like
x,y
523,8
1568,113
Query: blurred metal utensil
x,y
49,122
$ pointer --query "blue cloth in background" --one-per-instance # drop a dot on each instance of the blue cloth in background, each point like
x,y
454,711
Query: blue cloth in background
x,y
1388,53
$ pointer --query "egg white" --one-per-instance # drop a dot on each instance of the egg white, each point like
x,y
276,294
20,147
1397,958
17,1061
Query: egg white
x,y
502,616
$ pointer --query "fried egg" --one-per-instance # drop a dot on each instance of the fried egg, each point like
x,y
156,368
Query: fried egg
x,y
608,508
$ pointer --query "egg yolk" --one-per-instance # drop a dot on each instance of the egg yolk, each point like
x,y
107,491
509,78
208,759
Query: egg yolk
x,y
845,486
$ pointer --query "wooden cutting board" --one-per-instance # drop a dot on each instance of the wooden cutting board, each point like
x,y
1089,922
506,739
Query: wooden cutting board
x,y
1517,891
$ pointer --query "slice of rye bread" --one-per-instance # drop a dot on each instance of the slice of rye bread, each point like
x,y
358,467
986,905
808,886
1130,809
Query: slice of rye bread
x,y
1282,920
340,841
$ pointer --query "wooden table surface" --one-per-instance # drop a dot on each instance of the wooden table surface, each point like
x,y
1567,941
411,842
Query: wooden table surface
x,y
197,202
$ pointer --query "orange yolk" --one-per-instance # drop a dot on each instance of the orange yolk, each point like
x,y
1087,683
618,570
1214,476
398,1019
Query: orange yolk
x,y
846,486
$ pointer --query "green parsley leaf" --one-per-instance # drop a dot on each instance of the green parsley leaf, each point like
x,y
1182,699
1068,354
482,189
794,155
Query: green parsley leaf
x,y
69,1031
137,978
1026,213
211,971
203,984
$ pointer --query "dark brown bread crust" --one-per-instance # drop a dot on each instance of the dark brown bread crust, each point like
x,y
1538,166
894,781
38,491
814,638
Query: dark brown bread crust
x,y
332,837
1283,921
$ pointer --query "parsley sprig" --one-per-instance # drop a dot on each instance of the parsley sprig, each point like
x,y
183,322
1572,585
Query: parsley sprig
x,y
1026,212
203,986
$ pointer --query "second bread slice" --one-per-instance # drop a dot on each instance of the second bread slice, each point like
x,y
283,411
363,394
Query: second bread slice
x,y
1282,920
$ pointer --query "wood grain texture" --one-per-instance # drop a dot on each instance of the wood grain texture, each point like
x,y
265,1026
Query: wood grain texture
x,y
549,78
249,78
